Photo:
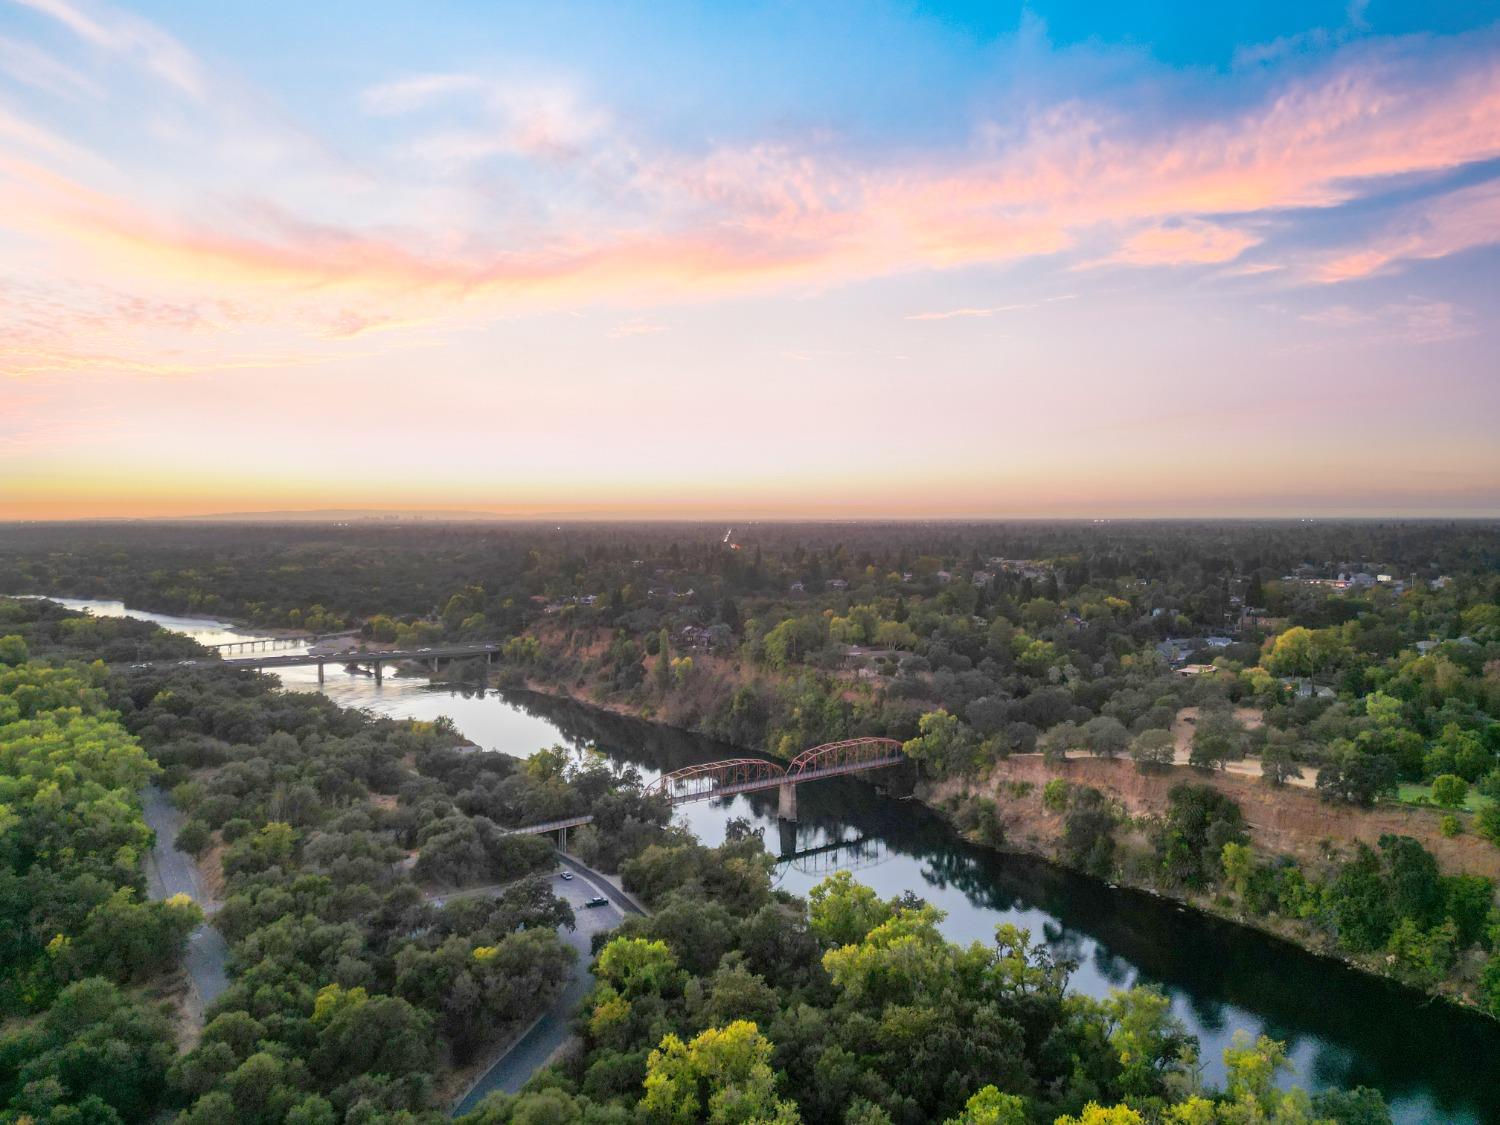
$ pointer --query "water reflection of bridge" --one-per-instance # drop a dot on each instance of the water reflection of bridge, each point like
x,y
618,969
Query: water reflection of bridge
x,y
857,854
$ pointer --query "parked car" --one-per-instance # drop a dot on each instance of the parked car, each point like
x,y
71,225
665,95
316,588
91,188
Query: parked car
x,y
567,875
597,900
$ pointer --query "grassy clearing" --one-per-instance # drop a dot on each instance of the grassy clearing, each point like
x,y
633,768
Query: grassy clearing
x,y
1422,795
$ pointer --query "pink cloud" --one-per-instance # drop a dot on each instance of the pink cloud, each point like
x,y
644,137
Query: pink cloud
x,y
603,217
1191,242
1434,228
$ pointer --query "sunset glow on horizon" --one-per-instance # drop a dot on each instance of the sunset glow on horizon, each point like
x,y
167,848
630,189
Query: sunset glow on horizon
x,y
675,260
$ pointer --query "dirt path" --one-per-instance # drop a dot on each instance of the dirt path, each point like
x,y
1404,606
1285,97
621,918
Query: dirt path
x,y
1182,736
171,872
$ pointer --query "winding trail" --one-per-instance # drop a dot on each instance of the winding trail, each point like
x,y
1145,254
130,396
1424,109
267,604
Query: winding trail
x,y
170,872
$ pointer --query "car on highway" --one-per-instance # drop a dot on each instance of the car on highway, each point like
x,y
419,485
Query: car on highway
x,y
567,875
597,900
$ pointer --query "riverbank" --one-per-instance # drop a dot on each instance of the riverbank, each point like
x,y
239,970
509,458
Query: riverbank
x,y
1039,832
1292,822
1343,1028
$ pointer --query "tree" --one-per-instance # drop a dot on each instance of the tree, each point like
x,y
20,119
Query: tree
x,y
368,1034
1238,861
1278,763
1306,652
842,911
1106,736
944,742
990,1107
94,1045
1359,1106
662,671
130,941
636,967
1088,831
1487,823
721,1076
13,650
1058,740
1218,738
1359,903
1422,957
1199,822
1449,791
1355,778
1153,749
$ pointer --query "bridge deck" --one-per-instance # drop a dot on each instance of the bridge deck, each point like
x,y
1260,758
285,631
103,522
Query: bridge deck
x,y
719,791
710,793
352,656
548,826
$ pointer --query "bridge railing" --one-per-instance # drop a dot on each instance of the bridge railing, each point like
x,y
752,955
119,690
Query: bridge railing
x,y
736,775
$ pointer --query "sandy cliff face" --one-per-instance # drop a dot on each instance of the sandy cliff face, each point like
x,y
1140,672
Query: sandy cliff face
x,y
1286,821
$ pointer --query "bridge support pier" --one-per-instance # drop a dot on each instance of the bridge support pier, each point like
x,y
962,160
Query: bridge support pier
x,y
786,805
378,666
562,839
786,833
320,672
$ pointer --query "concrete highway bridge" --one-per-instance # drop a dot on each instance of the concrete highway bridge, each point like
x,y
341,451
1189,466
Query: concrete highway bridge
x,y
271,644
709,780
375,660
357,659
349,657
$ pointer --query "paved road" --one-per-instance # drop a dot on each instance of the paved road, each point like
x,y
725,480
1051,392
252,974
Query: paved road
x,y
170,872
511,1071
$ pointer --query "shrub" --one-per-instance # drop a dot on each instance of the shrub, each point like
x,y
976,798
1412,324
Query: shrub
x,y
1449,791
193,838
1487,824
1055,795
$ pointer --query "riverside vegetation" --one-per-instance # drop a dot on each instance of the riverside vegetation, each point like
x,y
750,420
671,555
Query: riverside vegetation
x,y
352,998
973,644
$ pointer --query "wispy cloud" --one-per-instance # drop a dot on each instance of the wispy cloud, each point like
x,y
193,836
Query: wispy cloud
x,y
124,34
549,120
984,313
1414,320
587,206
1189,242
635,327
1434,228
29,64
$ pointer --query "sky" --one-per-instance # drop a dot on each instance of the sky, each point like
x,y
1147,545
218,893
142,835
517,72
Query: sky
x,y
750,260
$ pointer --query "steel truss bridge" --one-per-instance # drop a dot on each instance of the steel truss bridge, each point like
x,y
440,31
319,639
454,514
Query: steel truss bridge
x,y
707,781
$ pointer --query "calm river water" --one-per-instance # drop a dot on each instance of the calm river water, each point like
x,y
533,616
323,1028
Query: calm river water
x,y
1433,1063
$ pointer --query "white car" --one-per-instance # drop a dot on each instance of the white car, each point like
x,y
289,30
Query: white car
x,y
567,875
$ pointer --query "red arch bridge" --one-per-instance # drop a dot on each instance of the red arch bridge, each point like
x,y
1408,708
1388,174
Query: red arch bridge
x,y
708,780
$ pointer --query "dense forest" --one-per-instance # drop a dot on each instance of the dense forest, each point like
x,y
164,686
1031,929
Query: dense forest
x,y
352,992
353,995
1359,660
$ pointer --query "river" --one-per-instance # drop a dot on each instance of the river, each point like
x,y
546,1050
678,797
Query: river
x,y
1434,1063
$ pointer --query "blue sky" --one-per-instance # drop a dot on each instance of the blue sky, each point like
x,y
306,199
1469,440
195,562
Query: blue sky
x,y
1028,244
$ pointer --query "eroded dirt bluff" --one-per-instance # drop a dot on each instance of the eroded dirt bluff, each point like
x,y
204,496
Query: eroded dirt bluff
x,y
1282,821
